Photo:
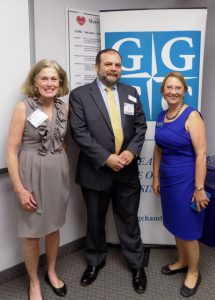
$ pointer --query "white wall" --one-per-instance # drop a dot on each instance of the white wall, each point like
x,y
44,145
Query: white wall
x,y
10,245
17,34
50,41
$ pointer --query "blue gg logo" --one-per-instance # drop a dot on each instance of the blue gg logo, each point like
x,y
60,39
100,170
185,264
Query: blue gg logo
x,y
148,56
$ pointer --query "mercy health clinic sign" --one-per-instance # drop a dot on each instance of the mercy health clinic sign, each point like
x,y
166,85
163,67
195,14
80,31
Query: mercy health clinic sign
x,y
153,43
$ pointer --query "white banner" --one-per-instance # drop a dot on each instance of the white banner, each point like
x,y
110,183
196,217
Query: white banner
x,y
83,43
153,43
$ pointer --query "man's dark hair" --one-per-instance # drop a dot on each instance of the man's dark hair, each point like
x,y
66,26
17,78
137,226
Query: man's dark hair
x,y
98,56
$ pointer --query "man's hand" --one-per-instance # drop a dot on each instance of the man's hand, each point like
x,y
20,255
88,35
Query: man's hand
x,y
127,157
115,162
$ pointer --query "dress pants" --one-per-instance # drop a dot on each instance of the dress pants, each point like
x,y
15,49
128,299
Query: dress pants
x,y
125,203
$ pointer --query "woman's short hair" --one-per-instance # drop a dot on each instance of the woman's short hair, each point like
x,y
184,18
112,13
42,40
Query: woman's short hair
x,y
28,87
176,75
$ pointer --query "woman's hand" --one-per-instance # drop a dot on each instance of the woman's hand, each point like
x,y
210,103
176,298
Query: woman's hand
x,y
26,200
201,199
156,186
156,166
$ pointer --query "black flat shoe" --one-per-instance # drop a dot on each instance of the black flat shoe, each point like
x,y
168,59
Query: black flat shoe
x,y
167,271
139,280
188,292
90,274
58,291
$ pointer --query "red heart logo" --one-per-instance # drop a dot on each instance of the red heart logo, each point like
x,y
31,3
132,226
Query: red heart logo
x,y
81,20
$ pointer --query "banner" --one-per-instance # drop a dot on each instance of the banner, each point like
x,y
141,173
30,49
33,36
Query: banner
x,y
83,43
153,43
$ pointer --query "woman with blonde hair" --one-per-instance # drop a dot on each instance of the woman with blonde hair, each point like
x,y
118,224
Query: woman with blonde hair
x,y
178,177
38,167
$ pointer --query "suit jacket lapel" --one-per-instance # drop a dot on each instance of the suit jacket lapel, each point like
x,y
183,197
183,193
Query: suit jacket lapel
x,y
98,99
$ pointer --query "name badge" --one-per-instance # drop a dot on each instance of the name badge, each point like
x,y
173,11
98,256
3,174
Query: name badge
x,y
128,109
159,124
37,118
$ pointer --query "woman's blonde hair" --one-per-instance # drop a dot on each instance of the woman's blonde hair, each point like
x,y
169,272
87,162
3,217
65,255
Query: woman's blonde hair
x,y
28,88
176,75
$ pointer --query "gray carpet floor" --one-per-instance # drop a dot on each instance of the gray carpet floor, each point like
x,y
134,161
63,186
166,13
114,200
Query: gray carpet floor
x,y
114,280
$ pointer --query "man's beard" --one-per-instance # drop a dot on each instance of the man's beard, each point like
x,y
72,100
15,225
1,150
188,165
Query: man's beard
x,y
108,82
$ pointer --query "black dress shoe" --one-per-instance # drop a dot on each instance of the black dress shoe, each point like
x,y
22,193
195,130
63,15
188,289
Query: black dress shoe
x,y
167,271
188,292
139,280
90,274
58,291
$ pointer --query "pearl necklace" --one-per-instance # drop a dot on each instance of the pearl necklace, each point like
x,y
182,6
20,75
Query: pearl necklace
x,y
178,111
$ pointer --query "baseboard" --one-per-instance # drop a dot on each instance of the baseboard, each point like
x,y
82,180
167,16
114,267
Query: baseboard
x,y
19,270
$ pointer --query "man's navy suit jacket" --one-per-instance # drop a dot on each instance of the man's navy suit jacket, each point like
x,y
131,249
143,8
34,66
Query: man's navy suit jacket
x,y
92,131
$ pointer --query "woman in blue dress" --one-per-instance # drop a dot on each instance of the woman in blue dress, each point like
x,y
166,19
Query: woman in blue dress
x,y
178,177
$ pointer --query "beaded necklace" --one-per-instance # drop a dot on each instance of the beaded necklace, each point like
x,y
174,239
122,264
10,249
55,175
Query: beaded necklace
x,y
178,111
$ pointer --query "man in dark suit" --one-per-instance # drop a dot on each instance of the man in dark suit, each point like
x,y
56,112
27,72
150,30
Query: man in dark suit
x,y
110,140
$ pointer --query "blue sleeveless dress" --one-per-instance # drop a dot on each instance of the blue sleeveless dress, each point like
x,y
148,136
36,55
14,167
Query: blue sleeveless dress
x,y
177,177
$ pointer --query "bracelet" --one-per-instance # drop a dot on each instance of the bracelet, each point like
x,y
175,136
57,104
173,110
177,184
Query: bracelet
x,y
199,188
